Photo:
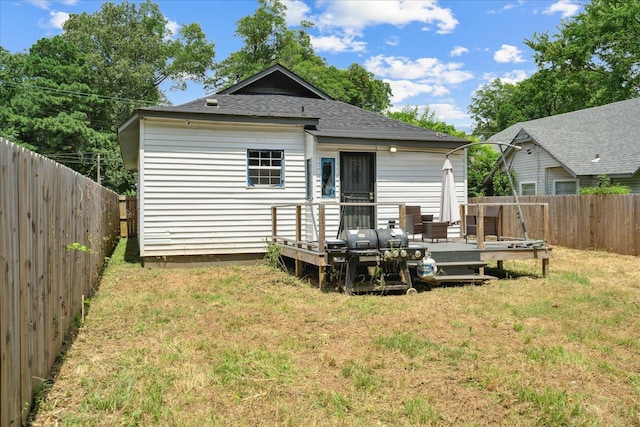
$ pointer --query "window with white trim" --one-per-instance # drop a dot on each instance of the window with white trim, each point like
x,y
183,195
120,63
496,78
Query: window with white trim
x,y
565,187
528,188
265,168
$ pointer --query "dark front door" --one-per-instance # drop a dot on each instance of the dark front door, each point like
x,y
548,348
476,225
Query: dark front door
x,y
357,178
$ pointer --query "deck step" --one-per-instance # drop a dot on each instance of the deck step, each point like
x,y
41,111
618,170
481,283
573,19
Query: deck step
x,y
461,264
458,278
464,278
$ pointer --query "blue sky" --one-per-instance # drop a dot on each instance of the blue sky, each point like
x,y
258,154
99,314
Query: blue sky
x,y
432,53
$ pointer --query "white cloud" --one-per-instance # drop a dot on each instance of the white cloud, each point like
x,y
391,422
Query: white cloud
x,y
56,20
511,77
360,14
566,7
172,26
447,112
338,43
42,4
404,89
430,70
46,4
508,53
458,51
297,11
393,41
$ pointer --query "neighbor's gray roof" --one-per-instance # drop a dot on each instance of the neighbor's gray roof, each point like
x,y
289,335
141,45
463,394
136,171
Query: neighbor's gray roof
x,y
611,131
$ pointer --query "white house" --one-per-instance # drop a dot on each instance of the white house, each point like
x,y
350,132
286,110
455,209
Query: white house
x,y
210,170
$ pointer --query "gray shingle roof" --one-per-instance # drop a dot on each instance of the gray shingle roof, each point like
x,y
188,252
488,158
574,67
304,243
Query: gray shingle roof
x,y
611,131
276,93
334,118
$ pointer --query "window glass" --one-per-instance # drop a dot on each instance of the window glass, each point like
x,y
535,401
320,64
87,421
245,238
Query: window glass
x,y
528,189
265,168
565,187
328,176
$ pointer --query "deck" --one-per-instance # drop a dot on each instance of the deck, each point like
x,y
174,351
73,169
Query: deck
x,y
458,259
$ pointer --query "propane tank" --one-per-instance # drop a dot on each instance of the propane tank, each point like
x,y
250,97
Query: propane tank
x,y
427,266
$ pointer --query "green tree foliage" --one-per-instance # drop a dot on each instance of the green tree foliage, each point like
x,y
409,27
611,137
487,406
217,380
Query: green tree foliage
x,y
66,96
595,55
480,161
266,40
501,185
427,119
591,61
133,52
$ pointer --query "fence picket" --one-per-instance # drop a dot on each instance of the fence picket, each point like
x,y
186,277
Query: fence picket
x,y
44,207
600,222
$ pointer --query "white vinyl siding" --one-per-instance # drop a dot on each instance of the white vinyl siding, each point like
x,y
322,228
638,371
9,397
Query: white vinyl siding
x,y
557,174
530,165
415,178
196,199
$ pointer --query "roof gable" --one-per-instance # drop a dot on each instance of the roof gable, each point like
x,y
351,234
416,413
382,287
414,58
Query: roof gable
x,y
276,80
574,139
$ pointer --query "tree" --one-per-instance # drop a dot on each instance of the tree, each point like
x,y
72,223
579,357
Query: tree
x,y
427,120
480,161
592,61
66,96
491,108
132,52
596,53
267,40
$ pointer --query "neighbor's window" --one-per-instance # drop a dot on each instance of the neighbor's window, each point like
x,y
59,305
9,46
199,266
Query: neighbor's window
x,y
265,168
528,188
565,187
327,167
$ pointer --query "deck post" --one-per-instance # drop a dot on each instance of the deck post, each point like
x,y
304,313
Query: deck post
x,y
402,223
322,276
274,223
299,265
463,220
545,222
480,226
545,267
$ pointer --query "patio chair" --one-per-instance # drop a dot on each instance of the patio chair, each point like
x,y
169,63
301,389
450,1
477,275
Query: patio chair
x,y
413,220
424,225
491,223
434,229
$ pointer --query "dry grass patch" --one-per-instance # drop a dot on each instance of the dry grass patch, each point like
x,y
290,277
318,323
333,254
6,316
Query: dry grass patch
x,y
252,346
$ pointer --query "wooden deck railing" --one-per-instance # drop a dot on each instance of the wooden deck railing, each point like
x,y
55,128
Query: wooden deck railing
x,y
509,216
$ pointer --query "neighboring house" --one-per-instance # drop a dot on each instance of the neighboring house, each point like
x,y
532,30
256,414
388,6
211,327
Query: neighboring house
x,y
561,154
210,170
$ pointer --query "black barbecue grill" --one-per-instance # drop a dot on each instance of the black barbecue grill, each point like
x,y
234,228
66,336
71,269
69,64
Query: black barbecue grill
x,y
375,259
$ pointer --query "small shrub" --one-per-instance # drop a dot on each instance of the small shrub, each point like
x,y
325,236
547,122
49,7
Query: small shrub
x,y
605,187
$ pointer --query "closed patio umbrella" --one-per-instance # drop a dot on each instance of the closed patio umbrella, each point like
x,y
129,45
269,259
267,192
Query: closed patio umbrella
x,y
449,208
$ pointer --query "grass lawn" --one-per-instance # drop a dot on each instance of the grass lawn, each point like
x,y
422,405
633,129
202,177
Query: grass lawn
x,y
253,346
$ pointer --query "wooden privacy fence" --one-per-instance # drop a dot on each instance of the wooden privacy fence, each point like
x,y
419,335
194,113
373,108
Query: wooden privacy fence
x,y
602,222
128,216
56,227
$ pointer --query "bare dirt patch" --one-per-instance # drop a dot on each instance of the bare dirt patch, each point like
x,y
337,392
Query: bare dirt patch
x,y
253,346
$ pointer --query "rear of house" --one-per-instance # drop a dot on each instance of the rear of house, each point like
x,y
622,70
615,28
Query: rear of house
x,y
210,170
